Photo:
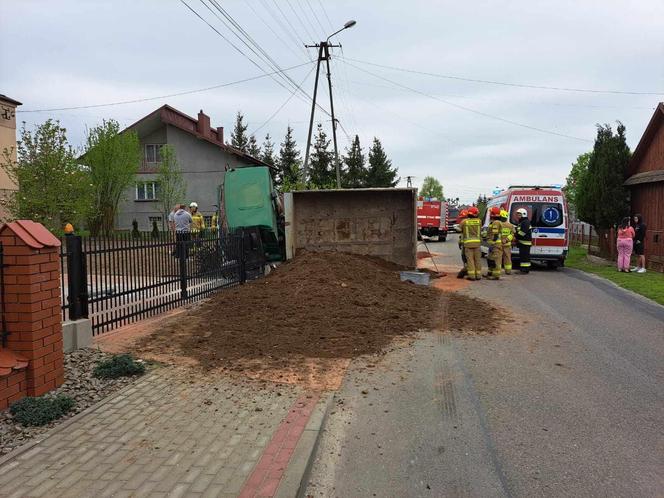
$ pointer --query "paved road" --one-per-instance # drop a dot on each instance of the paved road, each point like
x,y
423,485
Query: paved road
x,y
569,402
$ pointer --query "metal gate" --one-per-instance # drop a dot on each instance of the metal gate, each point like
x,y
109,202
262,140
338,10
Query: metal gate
x,y
118,280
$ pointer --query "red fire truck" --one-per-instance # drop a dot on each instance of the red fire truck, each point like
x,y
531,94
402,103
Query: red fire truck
x,y
432,218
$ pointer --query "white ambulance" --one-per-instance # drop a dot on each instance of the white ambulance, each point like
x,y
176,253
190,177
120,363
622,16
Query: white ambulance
x,y
547,210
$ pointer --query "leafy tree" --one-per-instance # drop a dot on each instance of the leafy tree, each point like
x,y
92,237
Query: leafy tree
x,y
431,188
52,188
112,159
380,172
575,178
289,162
239,138
601,197
322,173
355,175
253,149
172,185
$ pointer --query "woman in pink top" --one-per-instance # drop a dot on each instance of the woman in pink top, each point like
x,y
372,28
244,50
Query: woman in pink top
x,y
625,245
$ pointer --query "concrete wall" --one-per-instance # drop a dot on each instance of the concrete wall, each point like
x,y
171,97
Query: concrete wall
x,y
203,165
376,222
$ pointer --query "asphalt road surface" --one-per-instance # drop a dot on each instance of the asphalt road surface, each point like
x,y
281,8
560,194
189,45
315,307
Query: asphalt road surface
x,y
567,401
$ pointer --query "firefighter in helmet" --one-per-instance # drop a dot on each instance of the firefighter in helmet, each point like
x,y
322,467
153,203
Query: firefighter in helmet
x,y
198,223
471,229
507,236
524,239
464,271
495,242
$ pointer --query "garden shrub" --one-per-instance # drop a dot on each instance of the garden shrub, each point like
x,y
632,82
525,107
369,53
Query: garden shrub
x,y
120,365
41,410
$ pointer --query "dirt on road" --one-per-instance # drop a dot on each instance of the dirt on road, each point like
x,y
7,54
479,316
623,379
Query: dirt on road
x,y
309,316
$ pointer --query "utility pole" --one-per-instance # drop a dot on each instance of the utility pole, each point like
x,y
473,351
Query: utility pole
x,y
324,55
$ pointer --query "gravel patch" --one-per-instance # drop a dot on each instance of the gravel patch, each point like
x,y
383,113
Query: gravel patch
x,y
79,385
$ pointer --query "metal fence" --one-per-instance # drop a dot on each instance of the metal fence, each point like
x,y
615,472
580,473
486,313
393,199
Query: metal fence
x,y
125,278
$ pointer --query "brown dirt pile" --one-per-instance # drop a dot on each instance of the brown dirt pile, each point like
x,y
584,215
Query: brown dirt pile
x,y
308,316
321,305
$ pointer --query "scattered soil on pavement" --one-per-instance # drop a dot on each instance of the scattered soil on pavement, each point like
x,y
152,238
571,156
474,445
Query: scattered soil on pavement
x,y
466,315
308,318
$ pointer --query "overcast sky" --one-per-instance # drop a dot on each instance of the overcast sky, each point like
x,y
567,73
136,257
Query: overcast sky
x,y
66,53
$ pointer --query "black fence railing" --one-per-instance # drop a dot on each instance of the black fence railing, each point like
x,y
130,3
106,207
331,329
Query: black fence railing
x,y
122,279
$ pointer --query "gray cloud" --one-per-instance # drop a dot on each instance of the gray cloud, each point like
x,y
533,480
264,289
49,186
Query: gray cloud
x,y
68,53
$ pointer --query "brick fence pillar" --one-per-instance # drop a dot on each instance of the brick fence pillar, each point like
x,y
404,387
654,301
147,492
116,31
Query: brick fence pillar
x,y
32,306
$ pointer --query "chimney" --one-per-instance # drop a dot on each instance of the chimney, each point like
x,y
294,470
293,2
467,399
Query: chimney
x,y
203,125
220,134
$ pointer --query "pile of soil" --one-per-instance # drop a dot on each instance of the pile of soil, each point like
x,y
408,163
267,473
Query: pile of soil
x,y
327,306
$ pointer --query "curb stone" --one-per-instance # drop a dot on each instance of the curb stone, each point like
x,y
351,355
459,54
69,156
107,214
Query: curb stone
x,y
295,479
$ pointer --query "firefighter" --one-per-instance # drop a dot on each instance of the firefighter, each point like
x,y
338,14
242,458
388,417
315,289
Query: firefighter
x,y
198,223
464,271
471,240
524,239
495,241
507,236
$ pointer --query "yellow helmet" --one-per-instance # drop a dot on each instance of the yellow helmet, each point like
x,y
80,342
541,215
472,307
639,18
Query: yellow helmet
x,y
504,214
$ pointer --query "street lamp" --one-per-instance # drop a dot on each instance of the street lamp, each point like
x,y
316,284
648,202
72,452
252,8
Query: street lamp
x,y
324,55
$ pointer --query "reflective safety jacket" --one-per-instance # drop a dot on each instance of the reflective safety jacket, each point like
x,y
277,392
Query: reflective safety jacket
x,y
524,233
493,235
198,222
470,232
507,233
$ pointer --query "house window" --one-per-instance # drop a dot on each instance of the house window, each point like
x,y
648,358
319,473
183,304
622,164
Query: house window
x,y
147,191
153,153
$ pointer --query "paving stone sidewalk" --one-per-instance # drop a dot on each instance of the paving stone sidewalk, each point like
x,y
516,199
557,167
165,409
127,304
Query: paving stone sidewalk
x,y
166,435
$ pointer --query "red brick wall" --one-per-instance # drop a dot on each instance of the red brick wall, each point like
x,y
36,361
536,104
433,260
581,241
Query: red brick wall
x,y
33,316
13,387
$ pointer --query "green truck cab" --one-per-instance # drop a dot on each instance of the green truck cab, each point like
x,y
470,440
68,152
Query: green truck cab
x,y
251,203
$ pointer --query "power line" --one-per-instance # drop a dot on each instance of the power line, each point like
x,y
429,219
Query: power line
x,y
554,104
148,99
503,83
306,30
246,39
271,61
315,15
322,6
288,22
289,47
298,43
292,94
467,109
231,43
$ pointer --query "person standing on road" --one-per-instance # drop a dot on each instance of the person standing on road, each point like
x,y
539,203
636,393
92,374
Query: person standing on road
x,y
524,240
507,236
182,220
464,271
493,238
639,243
625,244
471,239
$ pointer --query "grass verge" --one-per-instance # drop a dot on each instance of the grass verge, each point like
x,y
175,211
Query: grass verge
x,y
650,284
